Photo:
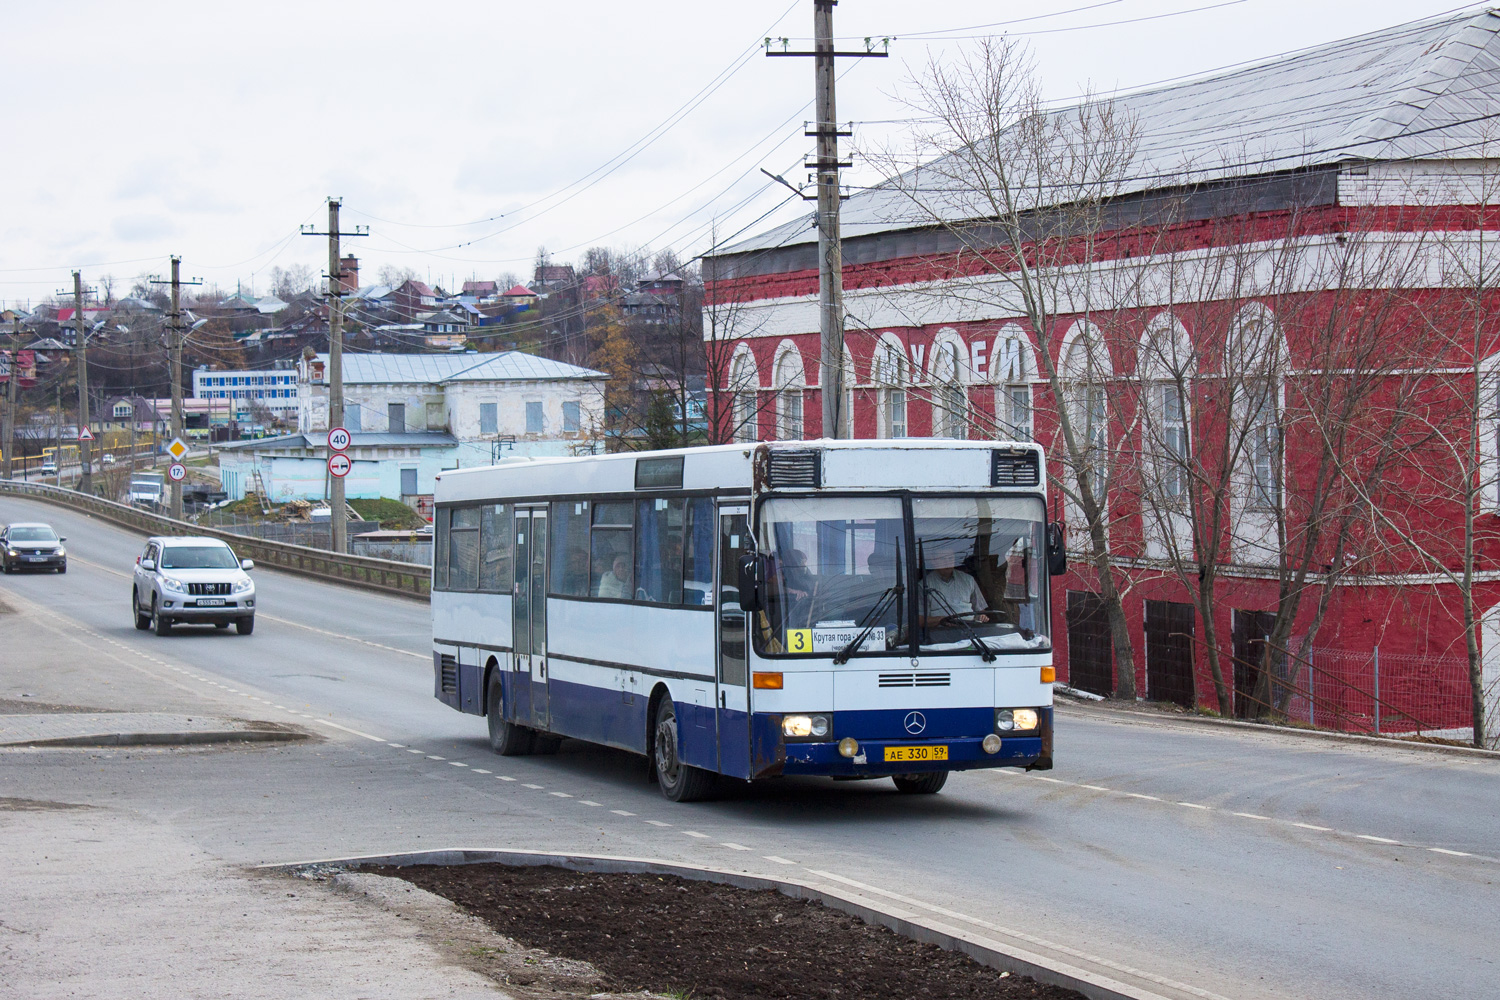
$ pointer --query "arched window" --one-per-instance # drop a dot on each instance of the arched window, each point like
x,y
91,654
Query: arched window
x,y
890,372
744,381
789,383
1167,367
1255,362
1086,366
1011,370
950,401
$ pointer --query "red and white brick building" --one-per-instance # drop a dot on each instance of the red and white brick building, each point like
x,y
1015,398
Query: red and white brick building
x,y
1386,142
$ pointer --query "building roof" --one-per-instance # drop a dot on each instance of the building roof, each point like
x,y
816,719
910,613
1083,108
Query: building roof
x,y
358,439
1425,90
479,287
519,291
506,366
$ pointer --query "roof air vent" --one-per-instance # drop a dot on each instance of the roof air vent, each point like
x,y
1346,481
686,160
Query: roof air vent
x,y
1014,468
796,469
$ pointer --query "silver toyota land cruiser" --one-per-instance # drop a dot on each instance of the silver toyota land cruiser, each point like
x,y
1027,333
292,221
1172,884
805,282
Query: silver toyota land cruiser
x,y
191,581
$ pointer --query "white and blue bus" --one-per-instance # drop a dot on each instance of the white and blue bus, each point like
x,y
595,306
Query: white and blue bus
x,y
855,609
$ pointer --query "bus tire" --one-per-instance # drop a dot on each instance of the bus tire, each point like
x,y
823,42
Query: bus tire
x,y
545,744
920,784
678,781
506,739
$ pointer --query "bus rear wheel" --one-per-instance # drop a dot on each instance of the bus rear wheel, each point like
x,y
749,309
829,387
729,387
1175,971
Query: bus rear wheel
x,y
506,738
920,784
678,781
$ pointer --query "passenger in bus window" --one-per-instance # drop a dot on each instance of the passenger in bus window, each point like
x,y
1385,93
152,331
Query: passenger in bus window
x,y
948,590
616,583
576,573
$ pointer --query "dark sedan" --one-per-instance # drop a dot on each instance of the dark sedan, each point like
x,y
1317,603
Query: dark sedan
x,y
32,546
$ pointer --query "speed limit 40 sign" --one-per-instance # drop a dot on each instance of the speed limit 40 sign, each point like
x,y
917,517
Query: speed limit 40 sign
x,y
339,465
338,439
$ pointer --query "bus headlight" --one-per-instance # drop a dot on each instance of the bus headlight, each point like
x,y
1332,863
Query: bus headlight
x,y
1024,718
804,726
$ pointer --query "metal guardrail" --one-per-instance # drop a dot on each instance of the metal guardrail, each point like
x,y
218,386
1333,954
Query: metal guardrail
x,y
409,579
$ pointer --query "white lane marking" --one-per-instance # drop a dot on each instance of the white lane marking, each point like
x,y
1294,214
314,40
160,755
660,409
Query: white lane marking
x,y
621,812
413,751
1095,788
777,860
657,822
398,746
561,795
1377,840
433,756
1138,795
340,635
504,777
529,785
1194,805
1251,816
1444,850
733,846
457,763
586,802
1309,826
346,729
1055,781
695,833
1021,935
480,770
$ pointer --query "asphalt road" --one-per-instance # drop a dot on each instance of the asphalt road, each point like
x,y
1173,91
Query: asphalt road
x,y
1196,860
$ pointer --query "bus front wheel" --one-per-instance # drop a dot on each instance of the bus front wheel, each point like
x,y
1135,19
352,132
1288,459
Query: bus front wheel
x,y
920,784
506,738
678,781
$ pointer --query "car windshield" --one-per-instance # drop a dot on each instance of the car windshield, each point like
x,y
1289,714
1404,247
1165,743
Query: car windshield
x,y
34,534
197,557
836,568
979,565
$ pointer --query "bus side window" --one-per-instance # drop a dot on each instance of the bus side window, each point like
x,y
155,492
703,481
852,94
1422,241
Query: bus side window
x,y
496,548
463,549
698,555
658,552
440,548
570,548
612,550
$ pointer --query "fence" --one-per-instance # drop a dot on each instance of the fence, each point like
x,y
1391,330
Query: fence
x,y
361,571
317,535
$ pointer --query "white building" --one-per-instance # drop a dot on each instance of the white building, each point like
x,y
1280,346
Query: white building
x,y
276,389
493,405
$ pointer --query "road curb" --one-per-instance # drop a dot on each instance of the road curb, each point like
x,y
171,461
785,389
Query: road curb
x,y
1095,709
165,739
986,951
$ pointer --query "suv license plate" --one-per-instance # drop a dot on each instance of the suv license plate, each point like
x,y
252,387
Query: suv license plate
x,y
916,753
210,602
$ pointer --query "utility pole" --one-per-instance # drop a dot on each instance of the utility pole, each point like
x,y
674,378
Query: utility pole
x,y
11,388
338,521
826,167
81,347
174,350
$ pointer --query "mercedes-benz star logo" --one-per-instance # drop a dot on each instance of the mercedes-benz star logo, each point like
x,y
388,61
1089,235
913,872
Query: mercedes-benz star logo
x,y
915,722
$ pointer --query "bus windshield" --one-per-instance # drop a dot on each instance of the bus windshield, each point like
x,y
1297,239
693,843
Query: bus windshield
x,y
840,576
837,571
980,572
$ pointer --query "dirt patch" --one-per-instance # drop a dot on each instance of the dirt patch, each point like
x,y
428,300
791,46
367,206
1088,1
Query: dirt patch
x,y
37,805
30,706
684,938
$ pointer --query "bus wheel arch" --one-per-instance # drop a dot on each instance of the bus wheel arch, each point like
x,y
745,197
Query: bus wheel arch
x,y
506,738
658,694
677,780
490,676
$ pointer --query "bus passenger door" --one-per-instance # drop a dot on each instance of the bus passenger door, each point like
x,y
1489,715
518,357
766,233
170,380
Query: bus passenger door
x,y
541,716
733,679
518,691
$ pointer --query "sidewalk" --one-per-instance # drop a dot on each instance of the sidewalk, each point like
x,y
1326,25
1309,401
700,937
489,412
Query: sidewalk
x,y
133,729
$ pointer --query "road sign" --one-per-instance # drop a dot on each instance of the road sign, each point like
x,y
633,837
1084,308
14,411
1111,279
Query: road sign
x,y
177,472
338,439
85,435
339,465
177,449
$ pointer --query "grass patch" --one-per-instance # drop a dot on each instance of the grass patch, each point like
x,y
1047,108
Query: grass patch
x,y
393,515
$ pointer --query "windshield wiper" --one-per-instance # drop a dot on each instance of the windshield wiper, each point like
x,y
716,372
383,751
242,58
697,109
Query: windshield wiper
x,y
871,616
987,654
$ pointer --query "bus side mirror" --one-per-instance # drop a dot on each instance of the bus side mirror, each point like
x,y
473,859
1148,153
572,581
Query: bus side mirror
x,y
1057,550
752,571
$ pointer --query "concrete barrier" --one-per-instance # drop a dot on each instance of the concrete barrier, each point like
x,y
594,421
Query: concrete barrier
x,y
388,576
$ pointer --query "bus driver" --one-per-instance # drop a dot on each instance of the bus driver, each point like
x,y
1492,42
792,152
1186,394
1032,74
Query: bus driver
x,y
947,590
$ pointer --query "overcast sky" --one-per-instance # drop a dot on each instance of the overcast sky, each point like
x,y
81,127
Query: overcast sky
x,y
467,134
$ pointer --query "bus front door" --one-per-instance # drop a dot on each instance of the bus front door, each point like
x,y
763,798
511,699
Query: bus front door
x,y
733,680
530,619
519,691
541,704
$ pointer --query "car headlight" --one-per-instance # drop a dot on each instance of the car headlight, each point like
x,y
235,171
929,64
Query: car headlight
x,y
11,552
244,587
168,583
1013,719
61,551
804,726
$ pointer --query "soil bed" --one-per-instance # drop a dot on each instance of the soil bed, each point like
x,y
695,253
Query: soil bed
x,y
671,935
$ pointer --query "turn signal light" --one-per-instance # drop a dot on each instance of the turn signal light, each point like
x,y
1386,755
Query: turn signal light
x,y
1049,674
767,680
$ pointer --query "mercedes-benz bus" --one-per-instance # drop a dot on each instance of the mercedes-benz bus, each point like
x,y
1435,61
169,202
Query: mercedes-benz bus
x,y
853,609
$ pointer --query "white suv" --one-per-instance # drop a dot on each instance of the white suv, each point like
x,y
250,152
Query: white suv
x,y
187,580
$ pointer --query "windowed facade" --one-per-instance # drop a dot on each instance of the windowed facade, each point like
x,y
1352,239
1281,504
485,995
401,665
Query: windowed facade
x,y
743,383
789,384
1173,453
1263,450
891,373
950,400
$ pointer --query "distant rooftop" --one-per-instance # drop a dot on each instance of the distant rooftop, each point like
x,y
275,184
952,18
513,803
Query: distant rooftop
x,y
507,366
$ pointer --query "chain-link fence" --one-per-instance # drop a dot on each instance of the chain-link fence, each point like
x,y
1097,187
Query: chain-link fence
x,y
317,535
1377,692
